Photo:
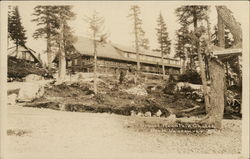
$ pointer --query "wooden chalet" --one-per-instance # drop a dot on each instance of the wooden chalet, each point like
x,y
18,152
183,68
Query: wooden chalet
x,y
24,53
112,58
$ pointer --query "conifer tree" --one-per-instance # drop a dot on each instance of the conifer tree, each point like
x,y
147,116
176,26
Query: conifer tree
x,y
140,40
48,25
163,40
16,30
65,38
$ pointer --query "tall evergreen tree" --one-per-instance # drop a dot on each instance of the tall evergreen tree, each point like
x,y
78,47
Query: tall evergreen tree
x,y
192,15
189,17
65,37
140,40
163,39
15,29
182,47
47,21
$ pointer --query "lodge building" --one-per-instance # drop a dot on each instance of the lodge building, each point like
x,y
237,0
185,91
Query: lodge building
x,y
112,58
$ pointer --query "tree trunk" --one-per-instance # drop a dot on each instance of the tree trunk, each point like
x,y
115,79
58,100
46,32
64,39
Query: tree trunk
x,y
17,50
95,65
202,67
136,48
49,55
49,58
217,91
221,32
204,80
62,60
183,66
163,66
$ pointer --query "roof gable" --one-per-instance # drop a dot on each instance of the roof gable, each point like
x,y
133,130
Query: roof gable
x,y
12,52
86,46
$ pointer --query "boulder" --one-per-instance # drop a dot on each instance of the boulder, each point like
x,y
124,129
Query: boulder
x,y
140,114
12,99
62,106
138,90
33,77
30,91
181,85
158,113
132,113
172,117
148,114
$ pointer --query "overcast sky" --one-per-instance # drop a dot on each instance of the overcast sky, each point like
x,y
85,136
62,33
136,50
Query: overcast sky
x,y
116,21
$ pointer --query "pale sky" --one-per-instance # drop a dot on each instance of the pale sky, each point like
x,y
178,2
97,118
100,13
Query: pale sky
x,y
116,21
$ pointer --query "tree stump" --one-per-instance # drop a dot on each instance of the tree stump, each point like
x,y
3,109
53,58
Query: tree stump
x,y
217,91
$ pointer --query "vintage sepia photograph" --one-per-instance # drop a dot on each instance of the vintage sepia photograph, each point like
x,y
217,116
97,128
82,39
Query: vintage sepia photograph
x,y
124,79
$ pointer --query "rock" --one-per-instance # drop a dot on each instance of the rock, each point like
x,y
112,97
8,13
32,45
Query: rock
x,y
62,107
158,113
140,114
148,114
132,113
29,92
138,90
12,99
198,100
33,77
172,117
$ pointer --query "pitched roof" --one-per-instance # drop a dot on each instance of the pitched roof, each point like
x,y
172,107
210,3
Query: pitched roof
x,y
12,52
86,46
142,51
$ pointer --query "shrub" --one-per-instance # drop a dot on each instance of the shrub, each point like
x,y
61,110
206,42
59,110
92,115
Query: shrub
x,y
18,68
169,88
190,76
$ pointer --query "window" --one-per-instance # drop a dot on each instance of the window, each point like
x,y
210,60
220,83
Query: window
x,y
24,55
69,63
75,61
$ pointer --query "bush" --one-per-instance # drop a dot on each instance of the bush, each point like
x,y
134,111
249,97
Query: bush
x,y
190,76
18,69
169,88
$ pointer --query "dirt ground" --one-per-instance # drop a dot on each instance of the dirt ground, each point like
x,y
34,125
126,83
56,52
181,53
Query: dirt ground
x,y
45,133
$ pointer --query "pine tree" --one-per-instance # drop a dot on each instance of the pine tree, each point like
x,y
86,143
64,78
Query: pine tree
x,y
163,40
182,47
65,37
189,17
16,31
48,24
140,40
96,27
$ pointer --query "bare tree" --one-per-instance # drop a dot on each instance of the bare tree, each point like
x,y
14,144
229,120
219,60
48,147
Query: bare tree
x,y
96,29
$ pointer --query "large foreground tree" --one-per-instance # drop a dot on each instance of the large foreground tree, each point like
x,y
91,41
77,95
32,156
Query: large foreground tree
x,y
190,16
